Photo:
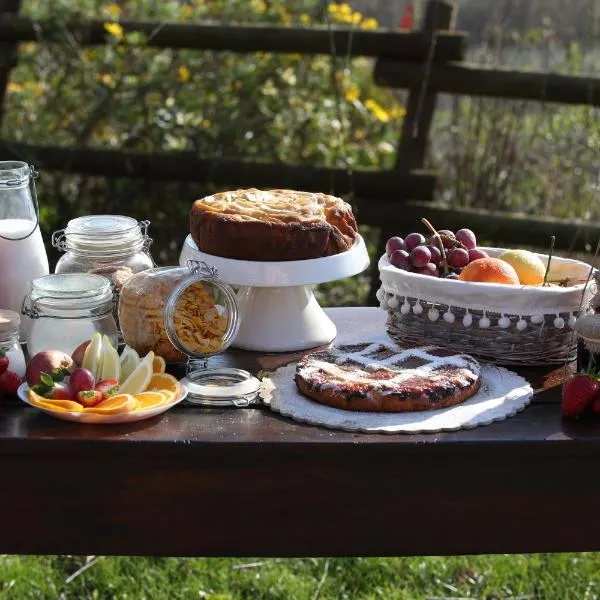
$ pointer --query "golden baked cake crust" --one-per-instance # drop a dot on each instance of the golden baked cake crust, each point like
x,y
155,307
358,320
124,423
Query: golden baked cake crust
x,y
272,225
384,378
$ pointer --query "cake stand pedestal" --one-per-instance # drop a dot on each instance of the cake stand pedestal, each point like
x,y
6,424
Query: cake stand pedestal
x,y
278,310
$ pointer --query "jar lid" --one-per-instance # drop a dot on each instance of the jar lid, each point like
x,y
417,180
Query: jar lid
x,y
9,322
68,291
221,387
71,285
202,319
102,235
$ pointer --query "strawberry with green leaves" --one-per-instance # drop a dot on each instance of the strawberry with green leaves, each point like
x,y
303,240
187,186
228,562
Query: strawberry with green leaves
x,y
579,393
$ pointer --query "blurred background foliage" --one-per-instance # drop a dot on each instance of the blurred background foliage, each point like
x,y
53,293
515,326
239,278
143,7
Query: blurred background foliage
x,y
536,158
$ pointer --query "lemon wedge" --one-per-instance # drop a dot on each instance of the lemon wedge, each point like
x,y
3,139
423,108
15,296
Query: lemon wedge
x,y
139,379
129,361
110,365
92,356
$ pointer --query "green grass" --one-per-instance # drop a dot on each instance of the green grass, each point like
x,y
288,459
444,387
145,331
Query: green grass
x,y
538,576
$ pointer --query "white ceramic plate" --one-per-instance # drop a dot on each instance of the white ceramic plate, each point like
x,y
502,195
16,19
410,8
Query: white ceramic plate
x,y
97,419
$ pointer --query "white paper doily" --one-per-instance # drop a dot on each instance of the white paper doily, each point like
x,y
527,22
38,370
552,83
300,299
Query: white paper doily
x,y
502,394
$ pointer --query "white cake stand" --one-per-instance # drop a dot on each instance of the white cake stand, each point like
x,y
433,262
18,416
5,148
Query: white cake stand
x,y
278,310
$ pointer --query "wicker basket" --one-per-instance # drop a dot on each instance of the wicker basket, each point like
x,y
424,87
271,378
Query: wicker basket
x,y
509,325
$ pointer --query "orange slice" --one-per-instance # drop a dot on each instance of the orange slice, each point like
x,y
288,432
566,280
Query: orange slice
x,y
147,400
168,396
58,405
121,403
163,381
158,364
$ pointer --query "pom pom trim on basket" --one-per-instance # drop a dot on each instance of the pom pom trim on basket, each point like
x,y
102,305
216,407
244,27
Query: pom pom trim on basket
x,y
522,325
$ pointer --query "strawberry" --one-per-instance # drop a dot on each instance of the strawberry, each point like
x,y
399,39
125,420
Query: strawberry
x,y
3,362
89,397
60,391
578,393
107,387
10,382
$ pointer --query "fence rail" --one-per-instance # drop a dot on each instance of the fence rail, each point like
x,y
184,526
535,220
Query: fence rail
x,y
413,46
473,80
188,166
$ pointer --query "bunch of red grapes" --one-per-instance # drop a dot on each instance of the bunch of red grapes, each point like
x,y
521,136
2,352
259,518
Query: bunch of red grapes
x,y
418,254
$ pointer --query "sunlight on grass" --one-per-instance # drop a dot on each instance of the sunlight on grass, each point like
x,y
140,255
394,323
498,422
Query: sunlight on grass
x,y
550,577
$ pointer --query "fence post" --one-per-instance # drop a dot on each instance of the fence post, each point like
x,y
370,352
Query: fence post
x,y
416,125
8,52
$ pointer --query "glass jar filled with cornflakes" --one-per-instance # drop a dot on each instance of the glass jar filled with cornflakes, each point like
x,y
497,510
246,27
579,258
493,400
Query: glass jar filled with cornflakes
x,y
187,314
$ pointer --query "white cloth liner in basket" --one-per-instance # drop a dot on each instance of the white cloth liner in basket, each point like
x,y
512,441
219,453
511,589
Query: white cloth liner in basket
x,y
527,302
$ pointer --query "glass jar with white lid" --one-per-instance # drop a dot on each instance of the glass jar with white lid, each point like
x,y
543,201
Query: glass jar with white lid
x,y
68,309
111,245
10,346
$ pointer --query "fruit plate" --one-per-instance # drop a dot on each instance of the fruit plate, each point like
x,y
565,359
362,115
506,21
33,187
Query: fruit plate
x,y
98,419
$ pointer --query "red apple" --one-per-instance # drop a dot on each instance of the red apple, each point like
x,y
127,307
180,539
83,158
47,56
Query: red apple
x,y
78,353
48,361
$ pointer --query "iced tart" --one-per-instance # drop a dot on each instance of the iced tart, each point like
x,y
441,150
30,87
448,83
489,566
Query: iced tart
x,y
380,377
272,225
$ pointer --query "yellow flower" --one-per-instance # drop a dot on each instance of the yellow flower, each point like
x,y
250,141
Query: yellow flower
x,y
284,15
305,19
333,8
352,93
183,74
106,79
14,88
187,11
370,24
355,18
114,10
345,9
377,110
206,123
397,112
115,30
259,6
90,54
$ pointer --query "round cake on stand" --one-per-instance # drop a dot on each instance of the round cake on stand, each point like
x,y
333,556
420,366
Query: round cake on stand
x,y
279,312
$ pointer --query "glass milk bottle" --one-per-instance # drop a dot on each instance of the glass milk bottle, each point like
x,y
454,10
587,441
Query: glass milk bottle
x,y
22,253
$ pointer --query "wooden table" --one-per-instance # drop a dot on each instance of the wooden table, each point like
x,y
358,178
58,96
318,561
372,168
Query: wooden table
x,y
246,482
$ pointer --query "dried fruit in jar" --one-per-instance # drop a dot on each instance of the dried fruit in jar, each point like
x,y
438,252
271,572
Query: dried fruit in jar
x,y
200,323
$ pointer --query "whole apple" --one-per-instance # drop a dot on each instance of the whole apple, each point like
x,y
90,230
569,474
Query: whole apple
x,y
48,361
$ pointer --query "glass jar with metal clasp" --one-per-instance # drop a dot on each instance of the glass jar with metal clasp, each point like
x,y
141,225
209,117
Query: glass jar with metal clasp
x,y
201,320
68,309
114,246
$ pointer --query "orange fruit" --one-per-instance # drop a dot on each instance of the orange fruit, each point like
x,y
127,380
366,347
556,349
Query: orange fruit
x,y
158,364
490,270
49,403
121,403
163,381
147,400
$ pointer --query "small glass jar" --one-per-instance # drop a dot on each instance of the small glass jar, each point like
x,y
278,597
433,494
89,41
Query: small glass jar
x,y
187,314
9,342
114,246
67,310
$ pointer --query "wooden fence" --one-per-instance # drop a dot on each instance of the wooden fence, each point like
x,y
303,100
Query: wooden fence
x,y
425,62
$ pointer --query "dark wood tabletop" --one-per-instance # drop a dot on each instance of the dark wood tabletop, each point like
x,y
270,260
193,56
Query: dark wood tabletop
x,y
247,482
